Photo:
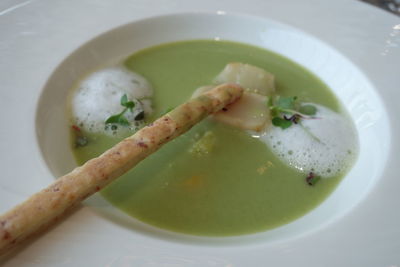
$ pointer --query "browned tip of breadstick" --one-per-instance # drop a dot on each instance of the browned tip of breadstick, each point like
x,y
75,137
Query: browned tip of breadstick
x,y
43,208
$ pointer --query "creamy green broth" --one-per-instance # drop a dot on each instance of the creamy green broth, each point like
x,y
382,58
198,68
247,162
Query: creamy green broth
x,y
239,187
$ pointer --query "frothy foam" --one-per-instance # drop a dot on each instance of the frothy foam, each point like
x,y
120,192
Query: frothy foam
x,y
98,97
326,145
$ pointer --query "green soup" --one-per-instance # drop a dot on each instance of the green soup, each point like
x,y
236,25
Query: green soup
x,y
240,187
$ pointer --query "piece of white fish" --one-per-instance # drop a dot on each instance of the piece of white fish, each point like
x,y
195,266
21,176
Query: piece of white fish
x,y
250,77
250,112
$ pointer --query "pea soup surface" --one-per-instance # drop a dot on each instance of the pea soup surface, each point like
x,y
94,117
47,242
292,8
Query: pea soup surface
x,y
238,186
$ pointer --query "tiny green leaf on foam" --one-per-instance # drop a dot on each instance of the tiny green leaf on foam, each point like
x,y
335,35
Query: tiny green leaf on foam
x,y
126,103
308,110
286,102
285,111
124,100
282,123
120,118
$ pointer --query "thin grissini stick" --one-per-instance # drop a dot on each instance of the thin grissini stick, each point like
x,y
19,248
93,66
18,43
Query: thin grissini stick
x,y
48,205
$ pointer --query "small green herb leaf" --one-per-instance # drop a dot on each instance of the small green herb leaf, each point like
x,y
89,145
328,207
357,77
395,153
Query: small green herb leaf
x,y
118,119
308,110
130,105
282,123
286,102
126,103
124,100
286,111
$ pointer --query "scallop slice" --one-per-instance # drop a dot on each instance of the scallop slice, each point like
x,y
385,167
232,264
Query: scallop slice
x,y
252,78
250,112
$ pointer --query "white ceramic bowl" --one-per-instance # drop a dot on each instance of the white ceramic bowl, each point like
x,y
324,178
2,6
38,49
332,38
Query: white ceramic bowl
x,y
347,82
355,226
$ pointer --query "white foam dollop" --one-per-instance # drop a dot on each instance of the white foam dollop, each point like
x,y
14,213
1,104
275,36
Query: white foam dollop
x,y
98,97
326,145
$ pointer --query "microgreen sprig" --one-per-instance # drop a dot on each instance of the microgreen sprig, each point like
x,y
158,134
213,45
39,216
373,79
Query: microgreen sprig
x,y
286,111
120,118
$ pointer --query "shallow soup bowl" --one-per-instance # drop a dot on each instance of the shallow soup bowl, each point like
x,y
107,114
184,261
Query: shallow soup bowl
x,y
347,82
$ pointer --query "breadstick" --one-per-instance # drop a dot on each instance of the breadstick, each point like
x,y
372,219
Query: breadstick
x,y
46,206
